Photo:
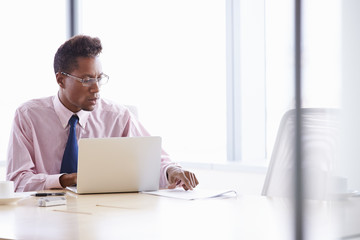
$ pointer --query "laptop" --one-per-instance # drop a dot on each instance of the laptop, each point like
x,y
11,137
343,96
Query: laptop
x,y
118,165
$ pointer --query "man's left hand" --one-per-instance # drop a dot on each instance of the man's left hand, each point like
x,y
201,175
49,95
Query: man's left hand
x,y
180,177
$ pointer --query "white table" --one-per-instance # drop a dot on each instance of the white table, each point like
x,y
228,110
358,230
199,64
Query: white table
x,y
142,216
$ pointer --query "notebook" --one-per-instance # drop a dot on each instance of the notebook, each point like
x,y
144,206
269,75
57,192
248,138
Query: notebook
x,y
116,165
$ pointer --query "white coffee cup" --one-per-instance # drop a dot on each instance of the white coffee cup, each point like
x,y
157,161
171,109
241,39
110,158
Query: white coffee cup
x,y
6,189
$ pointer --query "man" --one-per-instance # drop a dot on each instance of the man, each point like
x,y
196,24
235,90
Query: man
x,y
36,156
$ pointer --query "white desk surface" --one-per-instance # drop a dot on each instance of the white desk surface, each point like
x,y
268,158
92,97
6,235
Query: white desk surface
x,y
141,216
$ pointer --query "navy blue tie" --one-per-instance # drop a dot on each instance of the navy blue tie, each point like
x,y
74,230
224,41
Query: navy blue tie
x,y
70,158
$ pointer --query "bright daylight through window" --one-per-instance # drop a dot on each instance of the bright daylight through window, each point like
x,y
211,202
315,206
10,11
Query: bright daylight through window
x,y
29,42
168,59
204,75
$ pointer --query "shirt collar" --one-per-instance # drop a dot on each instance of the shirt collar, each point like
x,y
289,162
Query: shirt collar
x,y
65,114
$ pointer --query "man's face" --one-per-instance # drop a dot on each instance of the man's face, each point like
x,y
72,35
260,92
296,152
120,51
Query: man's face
x,y
72,93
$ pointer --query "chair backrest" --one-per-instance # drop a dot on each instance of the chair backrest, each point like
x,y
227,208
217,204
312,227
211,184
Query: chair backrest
x,y
320,136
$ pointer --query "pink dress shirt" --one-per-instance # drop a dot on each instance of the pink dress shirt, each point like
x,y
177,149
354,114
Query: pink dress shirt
x,y
40,131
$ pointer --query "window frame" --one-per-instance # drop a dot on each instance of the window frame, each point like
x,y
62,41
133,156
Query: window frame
x,y
241,56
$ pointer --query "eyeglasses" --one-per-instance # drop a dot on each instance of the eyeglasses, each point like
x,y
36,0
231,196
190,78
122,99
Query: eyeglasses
x,y
87,82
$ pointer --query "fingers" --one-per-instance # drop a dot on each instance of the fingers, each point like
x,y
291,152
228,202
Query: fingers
x,y
193,182
174,184
182,180
188,180
179,177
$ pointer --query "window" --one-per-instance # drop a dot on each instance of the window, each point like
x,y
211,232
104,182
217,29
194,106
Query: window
x,y
320,55
167,58
261,68
213,78
246,81
29,41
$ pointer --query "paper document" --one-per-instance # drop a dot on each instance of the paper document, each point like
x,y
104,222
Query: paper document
x,y
194,194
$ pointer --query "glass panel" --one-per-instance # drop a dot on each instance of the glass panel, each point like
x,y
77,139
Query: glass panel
x,y
346,170
321,119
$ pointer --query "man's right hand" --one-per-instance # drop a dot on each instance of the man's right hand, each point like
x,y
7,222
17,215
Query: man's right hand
x,y
67,180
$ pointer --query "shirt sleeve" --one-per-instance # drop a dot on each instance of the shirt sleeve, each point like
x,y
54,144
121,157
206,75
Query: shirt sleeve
x,y
134,128
21,159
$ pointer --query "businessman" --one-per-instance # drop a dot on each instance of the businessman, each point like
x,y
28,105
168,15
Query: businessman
x,y
42,152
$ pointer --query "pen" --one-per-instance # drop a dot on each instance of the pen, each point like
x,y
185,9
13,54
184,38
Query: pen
x,y
48,194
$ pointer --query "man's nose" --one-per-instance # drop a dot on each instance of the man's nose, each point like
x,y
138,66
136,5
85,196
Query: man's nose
x,y
94,88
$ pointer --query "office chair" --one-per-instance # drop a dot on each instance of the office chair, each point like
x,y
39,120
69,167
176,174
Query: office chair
x,y
320,136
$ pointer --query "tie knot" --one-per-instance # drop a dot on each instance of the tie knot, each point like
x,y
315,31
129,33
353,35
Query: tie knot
x,y
73,120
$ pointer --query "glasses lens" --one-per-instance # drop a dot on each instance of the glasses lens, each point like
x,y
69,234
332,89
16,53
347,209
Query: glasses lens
x,y
89,82
101,81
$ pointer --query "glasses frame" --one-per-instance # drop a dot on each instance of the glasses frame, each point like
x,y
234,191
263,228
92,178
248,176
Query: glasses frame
x,y
90,81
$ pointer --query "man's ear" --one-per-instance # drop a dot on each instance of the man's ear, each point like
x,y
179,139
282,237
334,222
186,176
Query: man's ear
x,y
60,79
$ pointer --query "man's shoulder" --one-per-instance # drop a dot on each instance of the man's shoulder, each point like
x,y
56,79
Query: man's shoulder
x,y
38,103
111,106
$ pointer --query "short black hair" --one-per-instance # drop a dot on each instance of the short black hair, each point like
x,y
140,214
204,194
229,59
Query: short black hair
x,y
77,46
